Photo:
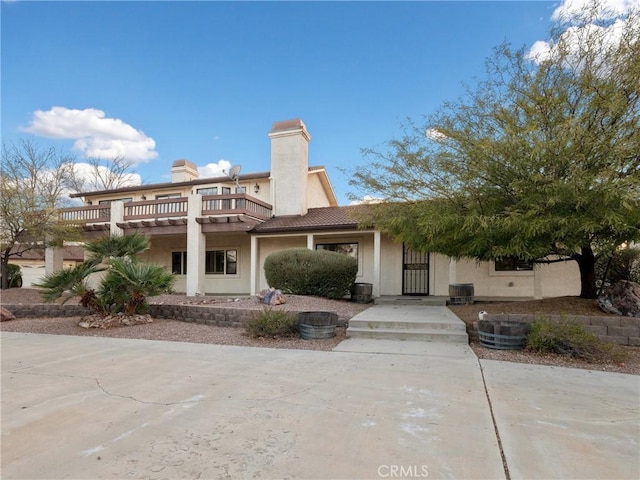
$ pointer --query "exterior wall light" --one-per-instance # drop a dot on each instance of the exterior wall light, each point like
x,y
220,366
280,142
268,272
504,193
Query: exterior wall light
x,y
256,188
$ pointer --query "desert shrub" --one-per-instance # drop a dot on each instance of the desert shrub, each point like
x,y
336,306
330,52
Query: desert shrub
x,y
14,275
301,271
273,323
570,338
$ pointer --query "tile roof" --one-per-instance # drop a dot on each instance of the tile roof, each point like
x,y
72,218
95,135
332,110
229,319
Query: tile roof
x,y
325,218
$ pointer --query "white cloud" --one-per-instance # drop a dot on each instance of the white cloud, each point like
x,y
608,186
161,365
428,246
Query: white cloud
x,y
613,12
215,169
367,199
94,133
570,10
434,134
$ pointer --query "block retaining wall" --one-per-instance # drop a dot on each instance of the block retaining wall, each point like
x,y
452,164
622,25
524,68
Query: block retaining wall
x,y
217,316
620,330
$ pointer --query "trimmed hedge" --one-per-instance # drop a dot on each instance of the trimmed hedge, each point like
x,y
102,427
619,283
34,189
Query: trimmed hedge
x,y
301,271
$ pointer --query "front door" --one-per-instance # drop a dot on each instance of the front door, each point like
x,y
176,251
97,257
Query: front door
x,y
415,272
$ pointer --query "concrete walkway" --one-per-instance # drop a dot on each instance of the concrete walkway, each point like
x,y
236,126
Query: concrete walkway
x,y
88,407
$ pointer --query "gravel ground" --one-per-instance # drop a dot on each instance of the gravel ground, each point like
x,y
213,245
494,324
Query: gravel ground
x,y
171,330
176,331
557,306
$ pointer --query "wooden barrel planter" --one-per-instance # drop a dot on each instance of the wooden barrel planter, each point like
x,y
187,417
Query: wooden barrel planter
x,y
461,293
314,325
361,292
502,334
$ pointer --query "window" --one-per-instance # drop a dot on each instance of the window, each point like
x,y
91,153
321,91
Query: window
x,y
512,264
207,191
107,202
179,263
350,249
240,203
168,195
226,204
221,262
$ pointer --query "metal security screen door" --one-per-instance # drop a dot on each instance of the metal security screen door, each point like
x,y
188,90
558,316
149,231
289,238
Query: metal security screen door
x,y
415,272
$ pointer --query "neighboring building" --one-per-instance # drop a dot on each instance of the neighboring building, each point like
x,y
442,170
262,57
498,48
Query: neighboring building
x,y
32,262
215,233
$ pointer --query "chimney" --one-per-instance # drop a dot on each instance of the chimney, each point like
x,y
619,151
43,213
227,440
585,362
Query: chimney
x,y
289,167
183,171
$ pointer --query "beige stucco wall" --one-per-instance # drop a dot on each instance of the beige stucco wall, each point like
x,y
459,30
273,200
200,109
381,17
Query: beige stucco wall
x,y
316,194
162,246
552,280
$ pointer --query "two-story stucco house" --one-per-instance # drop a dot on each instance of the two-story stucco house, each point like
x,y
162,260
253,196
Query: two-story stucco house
x,y
215,233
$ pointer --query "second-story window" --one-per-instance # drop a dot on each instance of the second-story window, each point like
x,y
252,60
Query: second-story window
x,y
207,191
240,203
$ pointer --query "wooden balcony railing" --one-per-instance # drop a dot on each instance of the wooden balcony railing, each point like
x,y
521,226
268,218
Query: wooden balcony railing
x,y
153,209
212,206
235,204
88,214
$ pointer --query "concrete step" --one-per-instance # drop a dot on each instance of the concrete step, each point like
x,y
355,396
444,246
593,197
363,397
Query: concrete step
x,y
415,334
409,300
406,324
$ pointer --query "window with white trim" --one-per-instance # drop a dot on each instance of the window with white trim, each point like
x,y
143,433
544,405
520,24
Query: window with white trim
x,y
512,264
221,262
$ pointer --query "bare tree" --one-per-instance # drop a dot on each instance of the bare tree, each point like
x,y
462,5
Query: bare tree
x,y
102,174
33,186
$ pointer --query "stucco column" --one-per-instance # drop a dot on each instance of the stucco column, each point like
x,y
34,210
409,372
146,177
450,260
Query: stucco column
x,y
537,282
254,266
377,249
53,260
310,241
117,216
453,263
196,247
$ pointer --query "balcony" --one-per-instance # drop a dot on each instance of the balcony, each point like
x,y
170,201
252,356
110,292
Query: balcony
x,y
215,211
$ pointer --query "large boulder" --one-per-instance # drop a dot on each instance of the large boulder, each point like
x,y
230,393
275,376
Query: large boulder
x,y
271,296
6,315
622,298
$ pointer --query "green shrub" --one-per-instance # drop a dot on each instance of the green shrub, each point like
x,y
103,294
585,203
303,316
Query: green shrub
x,y
14,275
301,271
273,323
572,339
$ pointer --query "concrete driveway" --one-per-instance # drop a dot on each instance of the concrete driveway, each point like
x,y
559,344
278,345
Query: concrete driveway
x,y
85,407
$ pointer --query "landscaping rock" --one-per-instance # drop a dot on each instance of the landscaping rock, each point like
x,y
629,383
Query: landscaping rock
x,y
6,315
271,296
622,298
111,321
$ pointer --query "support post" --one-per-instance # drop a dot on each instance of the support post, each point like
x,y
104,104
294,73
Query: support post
x,y
254,268
196,247
117,216
376,263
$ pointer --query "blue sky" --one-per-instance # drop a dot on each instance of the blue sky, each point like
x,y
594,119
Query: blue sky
x,y
160,81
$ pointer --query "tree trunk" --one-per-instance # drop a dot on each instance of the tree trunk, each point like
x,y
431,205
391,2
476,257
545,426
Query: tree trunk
x,y
4,261
586,263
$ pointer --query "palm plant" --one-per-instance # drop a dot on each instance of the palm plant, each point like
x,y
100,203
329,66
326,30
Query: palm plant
x,y
128,284
118,246
68,282
125,287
